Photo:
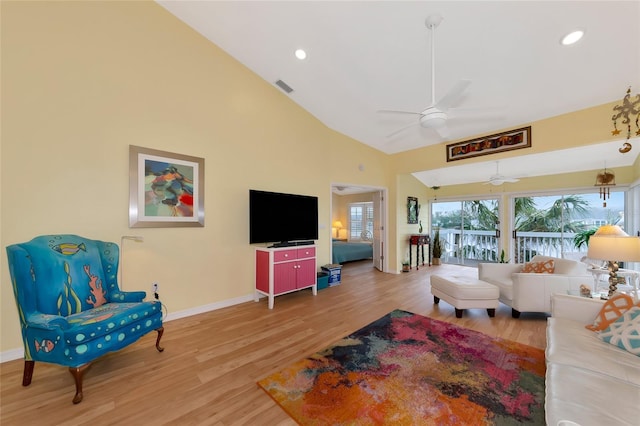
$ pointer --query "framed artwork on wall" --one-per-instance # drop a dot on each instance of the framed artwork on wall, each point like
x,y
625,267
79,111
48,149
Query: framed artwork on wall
x,y
165,189
413,210
505,141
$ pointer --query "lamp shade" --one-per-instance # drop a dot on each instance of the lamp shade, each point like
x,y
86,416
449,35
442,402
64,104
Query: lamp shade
x,y
337,224
611,243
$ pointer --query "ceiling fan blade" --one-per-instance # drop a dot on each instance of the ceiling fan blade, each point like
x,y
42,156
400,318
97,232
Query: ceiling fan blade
x,y
497,180
402,129
443,132
453,95
395,111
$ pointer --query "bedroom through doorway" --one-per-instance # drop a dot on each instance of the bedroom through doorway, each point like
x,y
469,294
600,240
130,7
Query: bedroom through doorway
x,y
358,224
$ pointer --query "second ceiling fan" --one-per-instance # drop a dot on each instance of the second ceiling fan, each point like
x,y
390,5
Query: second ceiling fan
x,y
498,179
435,115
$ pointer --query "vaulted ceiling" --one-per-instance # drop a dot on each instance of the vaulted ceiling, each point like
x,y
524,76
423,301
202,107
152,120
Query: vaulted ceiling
x,y
363,57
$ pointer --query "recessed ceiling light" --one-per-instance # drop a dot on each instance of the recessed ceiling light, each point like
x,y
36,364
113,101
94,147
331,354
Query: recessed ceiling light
x,y
301,54
572,37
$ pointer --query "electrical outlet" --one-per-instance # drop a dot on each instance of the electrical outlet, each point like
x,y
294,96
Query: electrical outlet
x,y
155,287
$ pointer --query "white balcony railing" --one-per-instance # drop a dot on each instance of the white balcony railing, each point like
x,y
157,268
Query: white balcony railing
x,y
483,245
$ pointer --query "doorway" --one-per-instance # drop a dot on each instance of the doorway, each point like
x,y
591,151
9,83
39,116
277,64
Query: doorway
x,y
358,219
469,230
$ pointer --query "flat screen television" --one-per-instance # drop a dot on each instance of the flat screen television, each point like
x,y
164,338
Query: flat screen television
x,y
282,219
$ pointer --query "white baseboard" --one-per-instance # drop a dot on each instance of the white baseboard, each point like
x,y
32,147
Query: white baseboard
x,y
207,308
13,354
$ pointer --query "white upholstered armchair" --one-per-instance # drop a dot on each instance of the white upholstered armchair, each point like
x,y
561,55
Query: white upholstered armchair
x,y
531,292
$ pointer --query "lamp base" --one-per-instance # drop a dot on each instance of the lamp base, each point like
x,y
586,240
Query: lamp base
x,y
613,284
614,280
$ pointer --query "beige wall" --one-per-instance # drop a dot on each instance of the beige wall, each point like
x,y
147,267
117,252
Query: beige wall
x,y
408,186
81,81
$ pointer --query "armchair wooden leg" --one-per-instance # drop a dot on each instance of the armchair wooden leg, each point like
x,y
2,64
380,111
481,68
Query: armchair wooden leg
x,y
28,372
160,332
515,314
78,373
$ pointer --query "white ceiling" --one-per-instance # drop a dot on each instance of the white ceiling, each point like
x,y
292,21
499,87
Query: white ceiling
x,y
367,56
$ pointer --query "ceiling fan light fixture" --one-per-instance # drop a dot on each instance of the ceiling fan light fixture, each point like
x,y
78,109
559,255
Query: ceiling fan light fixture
x,y
572,38
433,120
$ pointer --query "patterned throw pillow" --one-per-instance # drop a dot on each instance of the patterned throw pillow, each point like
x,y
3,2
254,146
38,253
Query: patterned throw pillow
x,y
546,267
611,311
625,332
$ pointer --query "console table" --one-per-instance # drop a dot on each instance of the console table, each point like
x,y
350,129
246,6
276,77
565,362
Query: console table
x,y
600,273
420,240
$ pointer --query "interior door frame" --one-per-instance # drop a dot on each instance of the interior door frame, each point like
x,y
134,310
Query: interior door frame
x,y
384,218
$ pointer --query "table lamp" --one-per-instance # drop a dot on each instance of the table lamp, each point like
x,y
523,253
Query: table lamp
x,y
338,225
612,244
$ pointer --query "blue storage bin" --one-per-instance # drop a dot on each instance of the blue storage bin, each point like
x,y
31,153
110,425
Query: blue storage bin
x,y
335,273
323,280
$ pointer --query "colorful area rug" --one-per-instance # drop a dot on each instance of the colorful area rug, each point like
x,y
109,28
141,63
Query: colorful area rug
x,y
408,369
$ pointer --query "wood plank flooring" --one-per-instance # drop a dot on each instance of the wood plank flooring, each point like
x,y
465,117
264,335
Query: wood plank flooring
x,y
207,374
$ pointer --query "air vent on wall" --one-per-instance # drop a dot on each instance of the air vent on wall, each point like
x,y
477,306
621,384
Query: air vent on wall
x,y
284,86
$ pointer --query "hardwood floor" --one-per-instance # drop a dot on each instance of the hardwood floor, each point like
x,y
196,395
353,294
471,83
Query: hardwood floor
x,y
207,374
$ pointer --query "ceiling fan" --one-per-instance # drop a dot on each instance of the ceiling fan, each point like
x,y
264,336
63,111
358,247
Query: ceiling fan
x,y
498,179
435,115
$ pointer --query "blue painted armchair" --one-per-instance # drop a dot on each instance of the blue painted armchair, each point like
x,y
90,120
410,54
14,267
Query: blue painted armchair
x,y
71,308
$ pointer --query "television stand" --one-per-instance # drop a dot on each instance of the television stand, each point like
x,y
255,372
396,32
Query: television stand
x,y
284,270
291,244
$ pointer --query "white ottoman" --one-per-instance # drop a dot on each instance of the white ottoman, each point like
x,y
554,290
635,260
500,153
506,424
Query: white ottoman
x,y
465,293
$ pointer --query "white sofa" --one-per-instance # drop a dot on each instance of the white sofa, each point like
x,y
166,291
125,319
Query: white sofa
x,y
531,292
588,381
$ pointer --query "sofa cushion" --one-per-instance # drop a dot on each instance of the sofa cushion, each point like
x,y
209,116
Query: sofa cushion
x,y
611,311
108,319
568,342
625,332
544,267
504,285
564,266
588,397
108,328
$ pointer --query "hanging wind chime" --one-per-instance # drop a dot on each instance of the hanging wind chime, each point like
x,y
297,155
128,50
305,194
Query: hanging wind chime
x,y
605,180
435,193
626,112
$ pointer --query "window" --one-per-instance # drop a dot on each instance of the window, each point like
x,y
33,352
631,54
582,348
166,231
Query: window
x,y
360,221
467,230
559,225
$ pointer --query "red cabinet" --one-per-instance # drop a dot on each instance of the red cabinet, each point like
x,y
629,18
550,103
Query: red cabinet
x,y
283,270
